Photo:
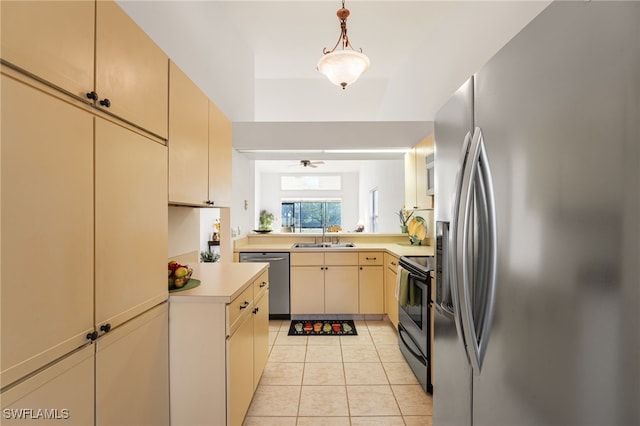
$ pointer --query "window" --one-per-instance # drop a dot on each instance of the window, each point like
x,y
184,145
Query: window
x,y
311,182
310,216
373,209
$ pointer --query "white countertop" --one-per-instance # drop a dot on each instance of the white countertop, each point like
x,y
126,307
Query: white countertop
x,y
395,244
220,282
396,249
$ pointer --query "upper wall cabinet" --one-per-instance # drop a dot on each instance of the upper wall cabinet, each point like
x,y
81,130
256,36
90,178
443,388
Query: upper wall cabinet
x,y
199,146
132,78
54,41
220,146
188,140
419,175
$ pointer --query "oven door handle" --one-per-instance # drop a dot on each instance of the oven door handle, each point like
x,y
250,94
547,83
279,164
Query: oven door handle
x,y
422,279
419,356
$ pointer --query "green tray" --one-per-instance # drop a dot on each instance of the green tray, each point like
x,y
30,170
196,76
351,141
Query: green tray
x,y
192,283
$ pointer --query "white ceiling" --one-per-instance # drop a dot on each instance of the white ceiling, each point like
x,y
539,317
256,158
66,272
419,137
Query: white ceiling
x,y
257,59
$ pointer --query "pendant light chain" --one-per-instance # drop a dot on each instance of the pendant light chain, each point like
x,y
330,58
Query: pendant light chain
x,y
343,67
343,14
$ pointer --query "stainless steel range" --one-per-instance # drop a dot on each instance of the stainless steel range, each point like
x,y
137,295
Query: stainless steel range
x,y
414,313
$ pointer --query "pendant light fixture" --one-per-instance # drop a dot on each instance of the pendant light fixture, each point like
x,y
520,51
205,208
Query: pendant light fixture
x,y
343,67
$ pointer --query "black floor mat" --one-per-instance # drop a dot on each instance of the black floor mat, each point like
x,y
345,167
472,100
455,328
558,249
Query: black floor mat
x,y
322,328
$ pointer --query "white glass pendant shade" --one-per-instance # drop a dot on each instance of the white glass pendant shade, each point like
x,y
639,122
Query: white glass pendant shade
x,y
343,67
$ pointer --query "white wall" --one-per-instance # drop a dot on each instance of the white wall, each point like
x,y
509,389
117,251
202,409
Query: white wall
x,y
225,71
208,218
385,175
243,181
271,196
184,230
388,177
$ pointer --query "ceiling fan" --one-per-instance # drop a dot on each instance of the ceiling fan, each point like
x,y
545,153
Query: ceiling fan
x,y
312,164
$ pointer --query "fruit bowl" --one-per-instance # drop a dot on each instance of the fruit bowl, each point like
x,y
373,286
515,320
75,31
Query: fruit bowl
x,y
179,275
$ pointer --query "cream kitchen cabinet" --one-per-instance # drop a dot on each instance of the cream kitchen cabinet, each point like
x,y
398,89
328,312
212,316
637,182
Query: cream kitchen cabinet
x,y
241,372
260,328
132,78
390,279
132,372
417,180
131,220
52,40
61,394
218,344
341,289
307,288
47,228
188,140
324,282
108,203
371,282
59,42
247,347
410,177
199,146
220,147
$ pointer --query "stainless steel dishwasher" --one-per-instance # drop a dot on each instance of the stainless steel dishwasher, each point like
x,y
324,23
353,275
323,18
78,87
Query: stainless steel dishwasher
x,y
279,305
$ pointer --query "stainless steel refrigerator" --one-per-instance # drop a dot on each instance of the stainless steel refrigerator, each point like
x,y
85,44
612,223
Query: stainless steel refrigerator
x,y
537,188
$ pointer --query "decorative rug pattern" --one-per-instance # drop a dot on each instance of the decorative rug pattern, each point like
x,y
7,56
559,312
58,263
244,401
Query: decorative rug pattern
x,y
322,328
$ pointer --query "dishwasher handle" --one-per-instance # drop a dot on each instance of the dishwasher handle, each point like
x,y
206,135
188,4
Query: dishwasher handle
x,y
261,259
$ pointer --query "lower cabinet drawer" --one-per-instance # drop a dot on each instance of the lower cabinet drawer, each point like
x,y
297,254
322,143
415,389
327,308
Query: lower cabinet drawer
x,y
371,258
240,305
260,285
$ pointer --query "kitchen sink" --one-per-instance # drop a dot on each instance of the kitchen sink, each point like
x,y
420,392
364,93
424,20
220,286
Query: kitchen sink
x,y
323,245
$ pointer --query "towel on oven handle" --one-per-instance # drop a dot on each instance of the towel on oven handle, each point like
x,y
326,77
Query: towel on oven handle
x,y
406,292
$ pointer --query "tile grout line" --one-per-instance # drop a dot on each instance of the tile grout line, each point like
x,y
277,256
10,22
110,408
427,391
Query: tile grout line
x,y
377,344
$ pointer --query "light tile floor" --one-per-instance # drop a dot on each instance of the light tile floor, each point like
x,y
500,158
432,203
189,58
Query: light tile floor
x,y
334,381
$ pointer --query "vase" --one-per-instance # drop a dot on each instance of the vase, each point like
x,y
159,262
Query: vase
x,y
403,229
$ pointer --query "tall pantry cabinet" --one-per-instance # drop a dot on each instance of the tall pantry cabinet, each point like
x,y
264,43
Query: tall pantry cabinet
x,y
84,324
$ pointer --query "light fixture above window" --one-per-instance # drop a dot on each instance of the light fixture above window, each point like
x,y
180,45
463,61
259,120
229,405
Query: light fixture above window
x,y
343,67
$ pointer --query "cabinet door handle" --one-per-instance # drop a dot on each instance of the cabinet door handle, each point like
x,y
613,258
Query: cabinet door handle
x,y
92,95
370,258
105,327
105,103
255,311
92,336
263,284
244,305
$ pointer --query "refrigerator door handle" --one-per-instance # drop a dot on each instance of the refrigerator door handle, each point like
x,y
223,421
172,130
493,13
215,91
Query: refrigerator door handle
x,y
452,246
478,192
491,254
464,232
445,310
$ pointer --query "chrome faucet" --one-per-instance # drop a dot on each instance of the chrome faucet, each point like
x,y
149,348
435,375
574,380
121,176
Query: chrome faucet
x,y
324,224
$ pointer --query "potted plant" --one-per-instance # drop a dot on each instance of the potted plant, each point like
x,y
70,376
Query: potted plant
x,y
404,216
266,220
